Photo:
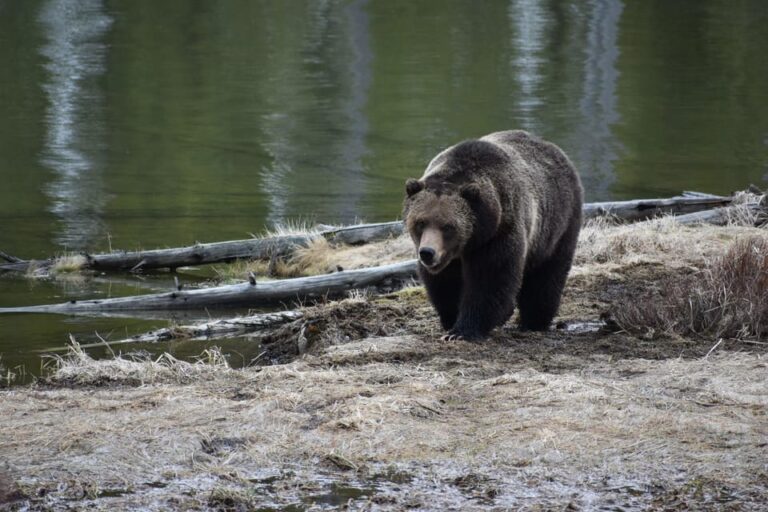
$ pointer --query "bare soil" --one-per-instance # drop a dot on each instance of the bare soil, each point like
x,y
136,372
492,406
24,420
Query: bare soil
x,y
379,414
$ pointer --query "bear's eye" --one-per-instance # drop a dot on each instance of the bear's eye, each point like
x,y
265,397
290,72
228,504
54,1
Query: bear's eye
x,y
448,229
419,225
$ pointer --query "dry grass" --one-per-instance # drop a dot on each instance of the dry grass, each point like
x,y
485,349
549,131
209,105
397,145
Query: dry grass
x,y
727,298
380,406
660,240
295,227
424,424
64,266
69,263
76,367
321,257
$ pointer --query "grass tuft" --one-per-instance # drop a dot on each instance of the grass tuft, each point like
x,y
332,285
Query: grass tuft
x,y
294,227
728,298
69,263
321,257
77,367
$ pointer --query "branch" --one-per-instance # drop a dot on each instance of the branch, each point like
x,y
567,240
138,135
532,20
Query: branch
x,y
222,328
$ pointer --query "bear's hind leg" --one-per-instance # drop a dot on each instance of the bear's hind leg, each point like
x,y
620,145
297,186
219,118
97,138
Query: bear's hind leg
x,y
539,297
444,290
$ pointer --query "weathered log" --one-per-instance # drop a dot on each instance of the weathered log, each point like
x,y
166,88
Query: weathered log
x,y
646,208
694,193
364,233
213,329
244,294
280,246
751,212
218,252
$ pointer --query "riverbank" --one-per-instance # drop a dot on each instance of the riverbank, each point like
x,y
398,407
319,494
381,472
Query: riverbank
x,y
378,413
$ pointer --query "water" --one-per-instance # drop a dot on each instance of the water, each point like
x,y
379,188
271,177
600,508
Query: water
x,y
156,124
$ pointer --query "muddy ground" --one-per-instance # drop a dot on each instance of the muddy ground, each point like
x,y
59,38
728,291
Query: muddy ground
x,y
380,414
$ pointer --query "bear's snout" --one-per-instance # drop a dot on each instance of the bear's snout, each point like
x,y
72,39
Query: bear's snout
x,y
432,249
427,256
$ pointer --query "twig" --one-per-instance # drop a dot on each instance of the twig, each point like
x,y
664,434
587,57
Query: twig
x,y
9,258
754,342
138,266
714,347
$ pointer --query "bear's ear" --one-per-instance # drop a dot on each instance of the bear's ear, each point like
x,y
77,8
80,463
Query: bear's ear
x,y
413,186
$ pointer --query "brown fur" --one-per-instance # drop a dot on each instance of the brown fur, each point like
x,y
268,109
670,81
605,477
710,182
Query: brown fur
x,y
495,222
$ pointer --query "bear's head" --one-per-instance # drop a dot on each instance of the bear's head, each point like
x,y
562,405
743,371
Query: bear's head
x,y
445,219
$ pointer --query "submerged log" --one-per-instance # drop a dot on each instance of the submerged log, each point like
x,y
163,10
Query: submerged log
x,y
283,245
248,294
212,329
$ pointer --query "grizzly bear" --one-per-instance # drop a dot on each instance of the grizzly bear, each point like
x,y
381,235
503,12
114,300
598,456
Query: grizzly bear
x,y
495,223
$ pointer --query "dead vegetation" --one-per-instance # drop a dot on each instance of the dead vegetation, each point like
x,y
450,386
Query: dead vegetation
x,y
320,257
364,407
727,298
77,368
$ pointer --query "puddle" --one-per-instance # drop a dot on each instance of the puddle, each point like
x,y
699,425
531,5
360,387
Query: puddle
x,y
339,495
112,493
577,327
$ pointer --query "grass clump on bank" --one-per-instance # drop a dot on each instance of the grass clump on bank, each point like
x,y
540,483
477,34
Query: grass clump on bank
x,y
70,263
78,368
321,257
728,298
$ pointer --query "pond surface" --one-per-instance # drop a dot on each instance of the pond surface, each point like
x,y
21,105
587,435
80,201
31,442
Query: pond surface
x,y
156,124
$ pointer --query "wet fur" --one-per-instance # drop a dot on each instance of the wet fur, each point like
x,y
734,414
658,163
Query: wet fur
x,y
512,205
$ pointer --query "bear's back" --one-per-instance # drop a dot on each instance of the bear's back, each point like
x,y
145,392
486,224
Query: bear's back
x,y
499,151
467,160
543,157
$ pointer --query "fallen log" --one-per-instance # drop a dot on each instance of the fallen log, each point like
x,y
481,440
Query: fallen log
x,y
248,294
749,213
213,329
283,245
216,252
643,209
694,193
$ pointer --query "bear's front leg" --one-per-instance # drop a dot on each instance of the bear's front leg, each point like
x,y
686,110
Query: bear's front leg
x,y
444,291
491,281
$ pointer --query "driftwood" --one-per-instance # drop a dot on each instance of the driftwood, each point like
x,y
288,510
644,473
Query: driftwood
x,y
213,329
248,294
693,193
751,212
217,252
643,209
283,245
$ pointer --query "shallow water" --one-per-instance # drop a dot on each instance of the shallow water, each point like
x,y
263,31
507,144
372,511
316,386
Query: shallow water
x,y
156,124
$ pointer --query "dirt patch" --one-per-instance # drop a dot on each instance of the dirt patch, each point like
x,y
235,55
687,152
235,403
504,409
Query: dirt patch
x,y
364,407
